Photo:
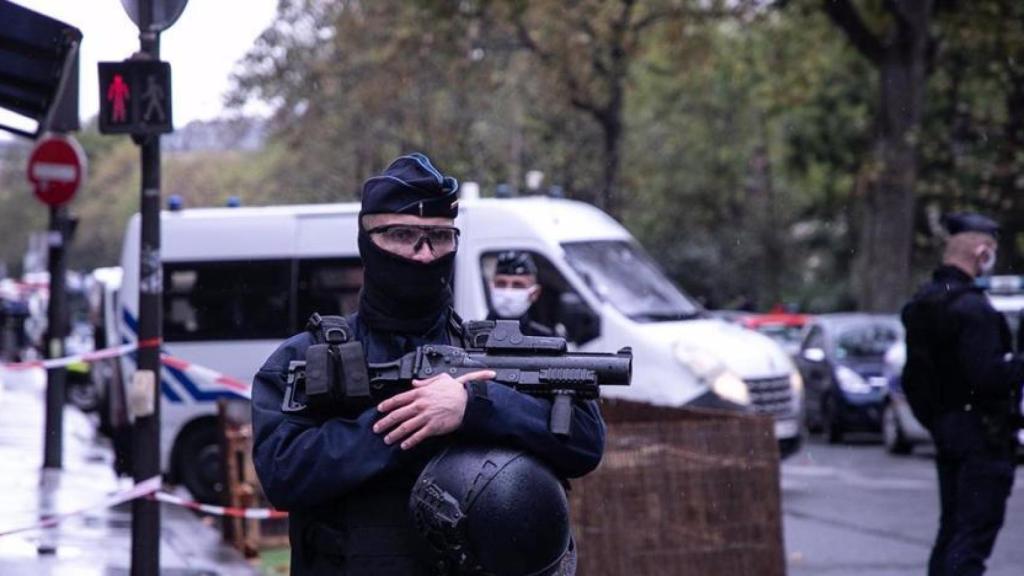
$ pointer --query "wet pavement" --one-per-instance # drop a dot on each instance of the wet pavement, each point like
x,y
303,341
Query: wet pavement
x,y
96,541
855,510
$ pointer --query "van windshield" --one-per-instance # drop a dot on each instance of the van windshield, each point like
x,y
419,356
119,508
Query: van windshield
x,y
619,272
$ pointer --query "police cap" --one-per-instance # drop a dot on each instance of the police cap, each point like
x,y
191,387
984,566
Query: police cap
x,y
411,185
515,263
970,222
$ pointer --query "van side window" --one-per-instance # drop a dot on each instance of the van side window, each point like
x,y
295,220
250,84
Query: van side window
x,y
247,300
328,286
560,307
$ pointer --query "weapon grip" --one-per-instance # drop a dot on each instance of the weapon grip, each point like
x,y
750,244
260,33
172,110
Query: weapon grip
x,y
561,414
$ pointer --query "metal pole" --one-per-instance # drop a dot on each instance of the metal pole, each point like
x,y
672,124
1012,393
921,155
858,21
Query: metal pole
x,y
146,445
55,332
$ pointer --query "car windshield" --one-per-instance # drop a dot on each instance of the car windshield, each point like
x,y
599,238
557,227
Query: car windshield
x,y
868,340
619,272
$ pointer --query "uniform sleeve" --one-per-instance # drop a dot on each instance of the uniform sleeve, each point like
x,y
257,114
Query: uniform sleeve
x,y
303,462
499,414
985,355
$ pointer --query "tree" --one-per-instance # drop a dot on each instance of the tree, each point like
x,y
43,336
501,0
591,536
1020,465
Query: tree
x,y
590,45
902,56
739,157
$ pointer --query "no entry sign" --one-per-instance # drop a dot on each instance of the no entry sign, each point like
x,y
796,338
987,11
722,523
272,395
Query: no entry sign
x,y
56,169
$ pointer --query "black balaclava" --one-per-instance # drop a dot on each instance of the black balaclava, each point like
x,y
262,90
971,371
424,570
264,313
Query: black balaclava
x,y
400,294
403,295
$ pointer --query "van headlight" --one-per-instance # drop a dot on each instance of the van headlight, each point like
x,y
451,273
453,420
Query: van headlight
x,y
732,388
796,383
710,370
851,382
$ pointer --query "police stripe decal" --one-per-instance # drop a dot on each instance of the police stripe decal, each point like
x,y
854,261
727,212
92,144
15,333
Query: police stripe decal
x,y
175,385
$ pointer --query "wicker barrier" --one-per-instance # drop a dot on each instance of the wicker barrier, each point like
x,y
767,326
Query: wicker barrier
x,y
681,491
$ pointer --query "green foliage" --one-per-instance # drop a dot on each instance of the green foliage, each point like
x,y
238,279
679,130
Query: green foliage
x,y
743,132
21,213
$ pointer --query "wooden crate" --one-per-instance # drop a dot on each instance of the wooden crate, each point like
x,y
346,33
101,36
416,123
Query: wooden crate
x,y
242,487
680,492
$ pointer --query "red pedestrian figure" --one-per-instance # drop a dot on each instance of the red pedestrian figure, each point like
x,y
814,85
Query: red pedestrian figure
x,y
118,93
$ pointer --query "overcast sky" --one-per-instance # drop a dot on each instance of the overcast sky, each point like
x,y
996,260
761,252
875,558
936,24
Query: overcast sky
x,y
202,47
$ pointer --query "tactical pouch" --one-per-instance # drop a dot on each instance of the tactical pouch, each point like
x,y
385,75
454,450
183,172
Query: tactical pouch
x,y
333,378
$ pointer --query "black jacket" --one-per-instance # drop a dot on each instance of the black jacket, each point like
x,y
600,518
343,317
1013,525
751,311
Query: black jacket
x,y
970,346
347,491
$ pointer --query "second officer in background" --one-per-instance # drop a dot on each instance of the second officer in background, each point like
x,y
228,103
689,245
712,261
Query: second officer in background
x,y
514,291
963,384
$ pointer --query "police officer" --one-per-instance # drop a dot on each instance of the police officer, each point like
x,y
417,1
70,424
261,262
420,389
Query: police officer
x,y
346,478
514,290
965,382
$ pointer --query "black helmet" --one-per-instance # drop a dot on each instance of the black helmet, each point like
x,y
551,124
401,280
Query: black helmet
x,y
494,511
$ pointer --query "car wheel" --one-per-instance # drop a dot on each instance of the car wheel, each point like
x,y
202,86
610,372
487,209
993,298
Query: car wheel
x,y
831,421
199,463
892,433
813,424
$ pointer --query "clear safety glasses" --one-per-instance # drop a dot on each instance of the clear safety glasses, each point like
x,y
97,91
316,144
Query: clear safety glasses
x,y
406,239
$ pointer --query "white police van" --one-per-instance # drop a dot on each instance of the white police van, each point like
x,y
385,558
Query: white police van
x,y
237,281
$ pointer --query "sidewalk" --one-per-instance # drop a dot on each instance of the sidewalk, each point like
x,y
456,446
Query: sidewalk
x,y
96,542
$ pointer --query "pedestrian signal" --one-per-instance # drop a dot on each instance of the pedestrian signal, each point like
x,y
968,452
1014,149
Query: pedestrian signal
x,y
135,97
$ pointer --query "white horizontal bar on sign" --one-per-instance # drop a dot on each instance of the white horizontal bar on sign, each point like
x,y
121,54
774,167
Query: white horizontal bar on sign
x,y
48,172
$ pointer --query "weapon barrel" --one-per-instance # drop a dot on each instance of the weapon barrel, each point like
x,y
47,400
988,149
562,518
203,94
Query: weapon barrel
x,y
611,369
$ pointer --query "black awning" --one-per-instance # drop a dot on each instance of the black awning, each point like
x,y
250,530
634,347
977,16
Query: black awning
x,y
38,69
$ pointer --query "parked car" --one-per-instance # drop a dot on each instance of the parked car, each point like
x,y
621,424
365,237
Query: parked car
x,y
841,359
785,328
901,432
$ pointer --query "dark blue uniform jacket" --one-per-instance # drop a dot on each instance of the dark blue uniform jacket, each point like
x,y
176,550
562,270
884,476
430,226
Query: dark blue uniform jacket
x,y
974,360
324,470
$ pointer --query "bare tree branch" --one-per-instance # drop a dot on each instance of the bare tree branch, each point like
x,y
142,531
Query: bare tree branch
x,y
528,42
899,10
658,16
846,17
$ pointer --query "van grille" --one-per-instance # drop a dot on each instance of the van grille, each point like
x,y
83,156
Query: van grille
x,y
771,396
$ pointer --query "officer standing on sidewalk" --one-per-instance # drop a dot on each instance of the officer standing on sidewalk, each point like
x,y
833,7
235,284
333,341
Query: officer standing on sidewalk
x,y
963,383
346,476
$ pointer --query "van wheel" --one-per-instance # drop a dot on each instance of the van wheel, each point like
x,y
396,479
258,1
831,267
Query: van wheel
x,y
892,433
199,463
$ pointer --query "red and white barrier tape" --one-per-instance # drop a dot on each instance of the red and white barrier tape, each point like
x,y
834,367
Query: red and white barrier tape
x,y
150,489
104,354
139,490
208,375
202,372
232,512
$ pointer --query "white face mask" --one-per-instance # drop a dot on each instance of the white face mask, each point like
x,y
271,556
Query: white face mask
x,y
511,302
988,262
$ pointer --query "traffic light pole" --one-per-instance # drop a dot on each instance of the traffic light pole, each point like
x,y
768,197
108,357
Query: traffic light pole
x,y
146,384
57,321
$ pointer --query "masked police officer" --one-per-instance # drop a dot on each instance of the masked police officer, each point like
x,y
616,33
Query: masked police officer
x,y
514,290
346,477
963,383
